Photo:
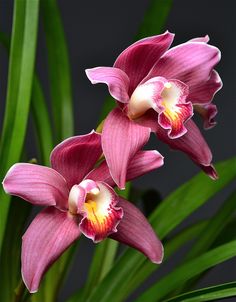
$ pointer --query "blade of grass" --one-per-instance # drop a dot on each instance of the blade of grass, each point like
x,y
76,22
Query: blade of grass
x,y
10,270
40,113
153,23
21,65
212,293
171,212
188,270
212,230
42,122
59,70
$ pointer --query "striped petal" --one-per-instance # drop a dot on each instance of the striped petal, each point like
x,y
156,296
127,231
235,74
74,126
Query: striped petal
x,y
116,80
37,184
121,139
76,156
137,60
47,237
194,145
142,163
135,231
191,63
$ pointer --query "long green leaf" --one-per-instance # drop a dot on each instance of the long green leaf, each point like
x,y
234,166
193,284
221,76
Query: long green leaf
x,y
152,24
212,293
188,270
212,230
172,211
10,270
21,65
40,113
59,70
42,122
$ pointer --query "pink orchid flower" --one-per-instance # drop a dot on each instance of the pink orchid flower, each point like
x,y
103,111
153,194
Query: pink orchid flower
x,y
159,88
78,199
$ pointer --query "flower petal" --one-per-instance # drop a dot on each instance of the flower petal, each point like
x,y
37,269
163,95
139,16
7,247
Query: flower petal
x,y
47,237
115,78
193,144
36,184
76,156
200,39
121,139
203,92
174,120
208,113
101,217
135,231
138,58
191,63
142,163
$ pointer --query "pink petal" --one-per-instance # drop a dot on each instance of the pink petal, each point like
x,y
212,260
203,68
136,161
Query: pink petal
x,y
191,63
36,184
208,113
201,39
121,139
192,143
203,92
47,237
116,80
76,156
135,231
138,58
142,163
101,216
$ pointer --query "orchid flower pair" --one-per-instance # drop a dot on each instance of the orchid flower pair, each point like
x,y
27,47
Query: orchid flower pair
x,y
158,88
79,199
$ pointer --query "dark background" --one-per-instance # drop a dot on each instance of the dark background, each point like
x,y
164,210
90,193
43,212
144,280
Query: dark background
x,y
97,31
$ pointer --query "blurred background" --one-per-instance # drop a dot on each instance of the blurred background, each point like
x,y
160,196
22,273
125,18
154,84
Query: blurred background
x,y
97,31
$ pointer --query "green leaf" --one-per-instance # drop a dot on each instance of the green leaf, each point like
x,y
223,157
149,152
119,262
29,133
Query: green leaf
x,y
188,270
212,293
21,65
10,270
153,23
212,230
59,70
172,211
42,122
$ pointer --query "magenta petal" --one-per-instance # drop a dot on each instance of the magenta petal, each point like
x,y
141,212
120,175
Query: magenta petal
x,y
203,92
208,113
47,237
192,143
76,156
37,184
135,231
121,139
142,163
191,63
138,58
116,80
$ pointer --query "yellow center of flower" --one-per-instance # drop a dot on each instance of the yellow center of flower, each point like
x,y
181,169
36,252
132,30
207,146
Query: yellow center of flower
x,y
169,97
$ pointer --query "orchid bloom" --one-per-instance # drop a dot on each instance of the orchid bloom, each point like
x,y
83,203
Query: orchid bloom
x,y
159,88
78,199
